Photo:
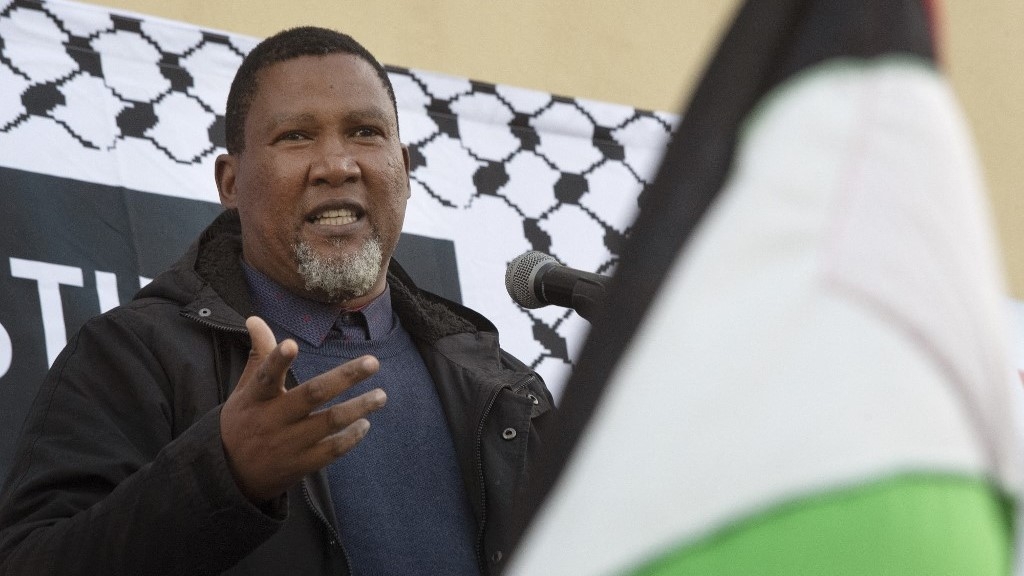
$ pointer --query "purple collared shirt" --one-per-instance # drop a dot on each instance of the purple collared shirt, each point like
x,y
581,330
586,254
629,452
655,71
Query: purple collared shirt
x,y
312,321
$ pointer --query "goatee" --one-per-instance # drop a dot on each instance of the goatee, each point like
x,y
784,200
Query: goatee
x,y
340,279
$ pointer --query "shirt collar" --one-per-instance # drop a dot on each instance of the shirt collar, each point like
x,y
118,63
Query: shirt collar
x,y
308,319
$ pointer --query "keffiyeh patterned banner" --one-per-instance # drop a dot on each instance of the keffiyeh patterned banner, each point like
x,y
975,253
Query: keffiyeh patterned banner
x,y
110,124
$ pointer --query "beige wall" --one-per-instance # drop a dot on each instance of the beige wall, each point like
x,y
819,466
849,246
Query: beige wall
x,y
644,53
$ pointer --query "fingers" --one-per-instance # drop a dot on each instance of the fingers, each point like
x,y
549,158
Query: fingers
x,y
305,461
340,428
338,418
313,393
337,445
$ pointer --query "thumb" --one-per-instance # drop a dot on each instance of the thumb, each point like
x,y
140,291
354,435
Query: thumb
x,y
262,336
268,361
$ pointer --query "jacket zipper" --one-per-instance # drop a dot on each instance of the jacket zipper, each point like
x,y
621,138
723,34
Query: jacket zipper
x,y
215,325
478,459
522,383
335,538
222,392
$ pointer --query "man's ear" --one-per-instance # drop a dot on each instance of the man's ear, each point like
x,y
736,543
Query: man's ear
x,y
224,172
405,159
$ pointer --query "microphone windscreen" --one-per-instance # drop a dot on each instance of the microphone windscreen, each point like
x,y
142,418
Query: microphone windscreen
x,y
521,275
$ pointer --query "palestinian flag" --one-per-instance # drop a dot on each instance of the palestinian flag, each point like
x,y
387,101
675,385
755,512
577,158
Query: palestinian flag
x,y
804,366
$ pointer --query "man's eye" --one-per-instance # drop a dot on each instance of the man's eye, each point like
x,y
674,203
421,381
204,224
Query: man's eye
x,y
293,136
367,131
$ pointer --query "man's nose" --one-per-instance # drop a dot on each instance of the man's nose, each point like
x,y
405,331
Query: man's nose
x,y
334,165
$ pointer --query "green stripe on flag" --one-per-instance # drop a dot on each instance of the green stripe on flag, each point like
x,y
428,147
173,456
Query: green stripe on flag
x,y
920,524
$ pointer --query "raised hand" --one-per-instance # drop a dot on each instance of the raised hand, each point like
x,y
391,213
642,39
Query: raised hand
x,y
273,436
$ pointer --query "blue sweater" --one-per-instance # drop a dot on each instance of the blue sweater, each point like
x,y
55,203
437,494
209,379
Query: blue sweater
x,y
398,495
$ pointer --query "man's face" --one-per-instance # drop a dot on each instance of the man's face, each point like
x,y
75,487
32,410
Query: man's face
x,y
323,176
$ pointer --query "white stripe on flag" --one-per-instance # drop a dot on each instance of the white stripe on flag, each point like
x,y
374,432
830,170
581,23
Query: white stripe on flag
x,y
771,366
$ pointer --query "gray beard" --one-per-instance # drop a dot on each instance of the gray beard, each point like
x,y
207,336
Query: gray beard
x,y
340,279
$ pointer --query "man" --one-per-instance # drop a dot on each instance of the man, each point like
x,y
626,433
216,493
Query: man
x,y
283,400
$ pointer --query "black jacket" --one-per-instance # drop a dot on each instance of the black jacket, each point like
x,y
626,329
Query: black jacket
x,y
120,467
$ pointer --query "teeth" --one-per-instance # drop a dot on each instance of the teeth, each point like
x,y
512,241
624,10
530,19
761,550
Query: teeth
x,y
335,217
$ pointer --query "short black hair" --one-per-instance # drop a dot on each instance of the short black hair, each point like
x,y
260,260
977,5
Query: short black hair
x,y
286,45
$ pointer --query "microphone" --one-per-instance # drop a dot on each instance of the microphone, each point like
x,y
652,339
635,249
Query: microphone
x,y
535,279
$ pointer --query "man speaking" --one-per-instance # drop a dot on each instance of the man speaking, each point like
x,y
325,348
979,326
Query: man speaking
x,y
283,399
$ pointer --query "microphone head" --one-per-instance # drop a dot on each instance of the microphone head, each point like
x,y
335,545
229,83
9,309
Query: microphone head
x,y
521,275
